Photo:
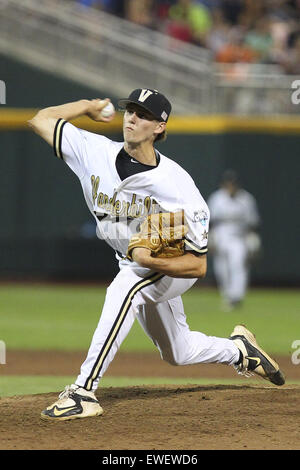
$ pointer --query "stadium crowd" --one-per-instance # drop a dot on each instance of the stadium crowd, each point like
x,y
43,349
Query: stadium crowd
x,y
235,31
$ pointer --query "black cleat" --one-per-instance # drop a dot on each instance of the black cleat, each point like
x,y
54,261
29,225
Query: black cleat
x,y
254,359
73,402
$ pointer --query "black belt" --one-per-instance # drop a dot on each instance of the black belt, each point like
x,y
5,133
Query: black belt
x,y
100,217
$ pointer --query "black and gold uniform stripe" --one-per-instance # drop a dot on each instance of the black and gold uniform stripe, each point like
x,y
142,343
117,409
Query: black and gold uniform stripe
x,y
57,138
117,325
194,247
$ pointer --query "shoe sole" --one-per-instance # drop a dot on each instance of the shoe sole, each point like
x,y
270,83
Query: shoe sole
x,y
277,377
67,418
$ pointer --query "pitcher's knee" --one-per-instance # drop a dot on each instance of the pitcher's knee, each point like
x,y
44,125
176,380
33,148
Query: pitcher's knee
x,y
174,358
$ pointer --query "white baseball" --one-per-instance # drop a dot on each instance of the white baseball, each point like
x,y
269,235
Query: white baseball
x,y
108,110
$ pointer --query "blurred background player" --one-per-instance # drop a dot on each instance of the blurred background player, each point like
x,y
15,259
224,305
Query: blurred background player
x,y
233,237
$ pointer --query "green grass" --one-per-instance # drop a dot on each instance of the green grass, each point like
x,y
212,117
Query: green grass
x,y
42,317
28,385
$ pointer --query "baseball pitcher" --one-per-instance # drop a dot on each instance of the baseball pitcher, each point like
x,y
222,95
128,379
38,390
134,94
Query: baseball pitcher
x,y
150,212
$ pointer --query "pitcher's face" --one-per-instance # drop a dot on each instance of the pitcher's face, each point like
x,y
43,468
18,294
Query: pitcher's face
x,y
140,125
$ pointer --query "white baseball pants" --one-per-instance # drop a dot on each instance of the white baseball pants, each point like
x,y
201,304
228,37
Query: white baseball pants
x,y
231,269
155,301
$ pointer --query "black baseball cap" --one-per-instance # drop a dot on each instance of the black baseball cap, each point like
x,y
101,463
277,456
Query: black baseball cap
x,y
151,100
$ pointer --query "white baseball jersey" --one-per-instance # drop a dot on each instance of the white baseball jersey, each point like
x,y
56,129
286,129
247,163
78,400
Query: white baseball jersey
x,y
232,216
119,206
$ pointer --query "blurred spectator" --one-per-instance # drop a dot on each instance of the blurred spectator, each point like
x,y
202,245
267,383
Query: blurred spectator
x,y
260,40
162,12
218,35
235,31
282,9
252,12
291,63
281,31
140,12
235,50
189,21
232,10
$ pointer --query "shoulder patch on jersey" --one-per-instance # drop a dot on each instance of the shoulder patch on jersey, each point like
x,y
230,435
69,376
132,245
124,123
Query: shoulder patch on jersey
x,y
201,216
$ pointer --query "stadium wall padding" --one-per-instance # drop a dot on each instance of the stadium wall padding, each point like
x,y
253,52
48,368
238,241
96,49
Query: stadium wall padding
x,y
43,210
46,229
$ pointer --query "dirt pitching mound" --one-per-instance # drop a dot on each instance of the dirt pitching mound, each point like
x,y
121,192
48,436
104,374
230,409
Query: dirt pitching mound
x,y
189,417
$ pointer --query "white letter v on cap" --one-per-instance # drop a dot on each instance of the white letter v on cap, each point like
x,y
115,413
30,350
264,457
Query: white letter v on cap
x,y
145,94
